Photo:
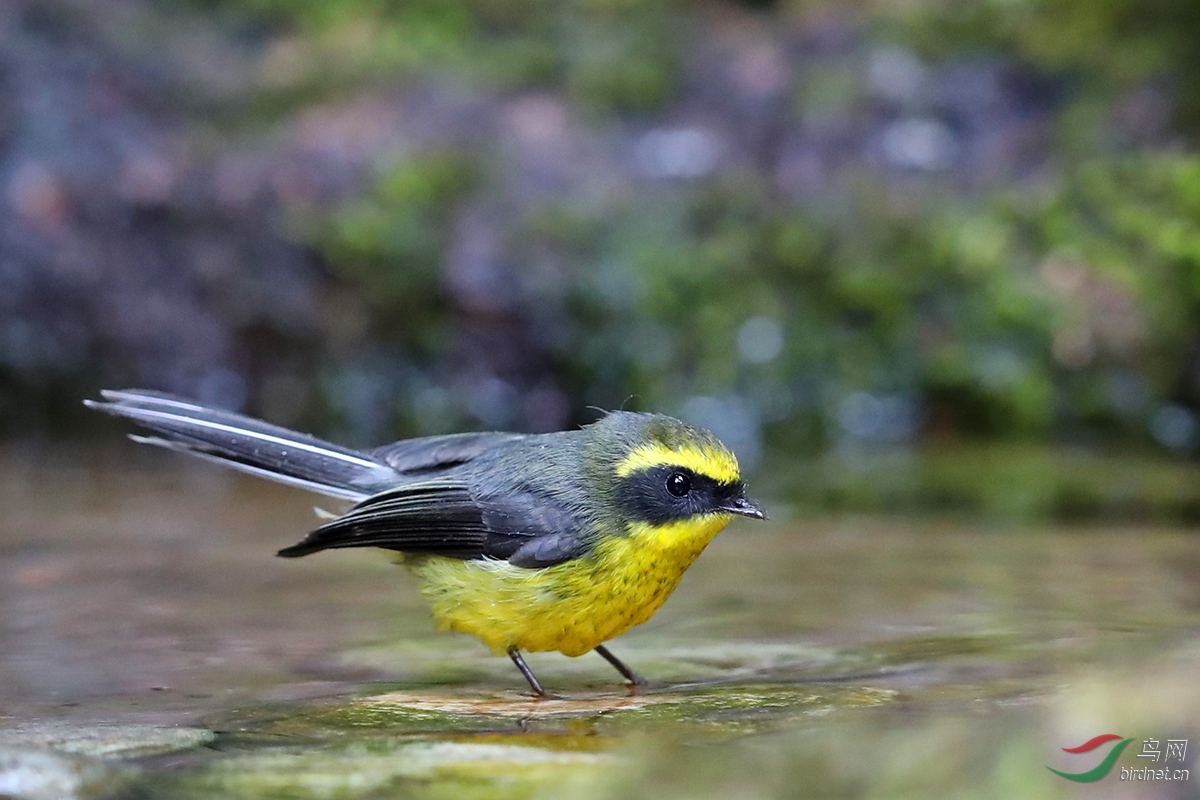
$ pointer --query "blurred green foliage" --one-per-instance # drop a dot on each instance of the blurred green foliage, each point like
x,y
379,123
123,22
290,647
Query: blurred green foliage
x,y
1049,297
1100,42
1072,308
1007,314
610,55
391,239
1001,481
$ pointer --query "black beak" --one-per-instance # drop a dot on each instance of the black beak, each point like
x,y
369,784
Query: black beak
x,y
744,508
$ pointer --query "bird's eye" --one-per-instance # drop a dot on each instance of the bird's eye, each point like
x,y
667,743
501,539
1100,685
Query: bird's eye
x,y
678,484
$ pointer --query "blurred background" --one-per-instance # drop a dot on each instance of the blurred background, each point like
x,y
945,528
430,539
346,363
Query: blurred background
x,y
918,243
932,267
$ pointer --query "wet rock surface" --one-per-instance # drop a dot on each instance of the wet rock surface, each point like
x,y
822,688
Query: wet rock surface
x,y
152,646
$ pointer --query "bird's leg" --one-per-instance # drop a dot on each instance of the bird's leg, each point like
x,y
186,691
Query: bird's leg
x,y
630,675
515,655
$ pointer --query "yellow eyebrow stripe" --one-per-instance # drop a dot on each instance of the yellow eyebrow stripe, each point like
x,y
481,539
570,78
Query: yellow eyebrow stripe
x,y
716,464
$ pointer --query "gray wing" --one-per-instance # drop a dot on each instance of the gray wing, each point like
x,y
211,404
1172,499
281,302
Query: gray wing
x,y
435,453
442,517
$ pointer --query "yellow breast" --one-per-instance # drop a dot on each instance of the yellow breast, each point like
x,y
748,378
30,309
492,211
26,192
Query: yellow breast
x,y
570,607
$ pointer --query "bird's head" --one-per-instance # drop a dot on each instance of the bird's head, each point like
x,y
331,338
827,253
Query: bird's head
x,y
662,470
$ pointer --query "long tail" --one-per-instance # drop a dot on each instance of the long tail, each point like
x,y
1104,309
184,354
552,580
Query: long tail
x,y
248,444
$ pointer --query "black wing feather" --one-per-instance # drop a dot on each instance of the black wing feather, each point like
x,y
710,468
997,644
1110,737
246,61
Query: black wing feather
x,y
434,517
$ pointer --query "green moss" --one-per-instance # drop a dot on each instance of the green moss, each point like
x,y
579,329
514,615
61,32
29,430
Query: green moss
x,y
420,770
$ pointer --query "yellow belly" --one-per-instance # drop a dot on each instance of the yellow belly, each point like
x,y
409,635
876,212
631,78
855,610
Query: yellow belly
x,y
570,607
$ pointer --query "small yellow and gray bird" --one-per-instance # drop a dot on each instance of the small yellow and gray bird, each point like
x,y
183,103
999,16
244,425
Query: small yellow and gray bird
x,y
535,542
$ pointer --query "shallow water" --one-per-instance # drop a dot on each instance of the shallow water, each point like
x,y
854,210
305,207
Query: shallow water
x,y
152,646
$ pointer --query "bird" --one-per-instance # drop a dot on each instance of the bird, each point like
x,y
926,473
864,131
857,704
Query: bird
x,y
530,542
